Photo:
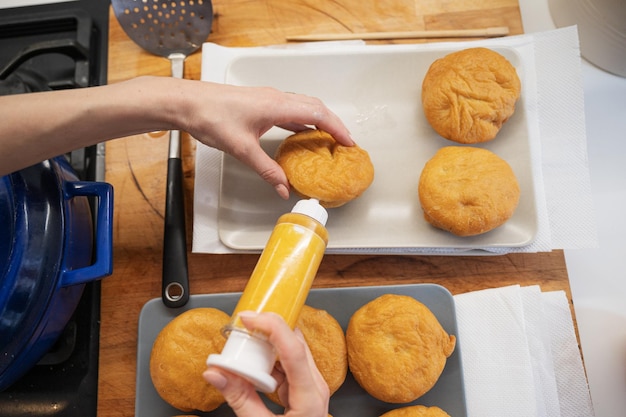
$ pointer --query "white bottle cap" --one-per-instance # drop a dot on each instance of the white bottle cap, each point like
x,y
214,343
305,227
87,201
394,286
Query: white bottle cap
x,y
311,208
249,357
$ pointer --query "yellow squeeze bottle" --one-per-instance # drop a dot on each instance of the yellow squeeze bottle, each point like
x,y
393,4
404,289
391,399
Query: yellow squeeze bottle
x,y
279,283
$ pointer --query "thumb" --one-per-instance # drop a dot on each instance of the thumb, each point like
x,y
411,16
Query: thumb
x,y
240,395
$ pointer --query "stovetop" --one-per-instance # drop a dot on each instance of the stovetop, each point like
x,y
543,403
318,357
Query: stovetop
x,y
52,47
74,32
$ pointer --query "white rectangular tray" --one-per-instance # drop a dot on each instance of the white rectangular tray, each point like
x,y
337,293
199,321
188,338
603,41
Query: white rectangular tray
x,y
376,91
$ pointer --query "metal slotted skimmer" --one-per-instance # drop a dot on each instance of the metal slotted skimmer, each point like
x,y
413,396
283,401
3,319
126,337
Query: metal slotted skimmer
x,y
165,27
172,29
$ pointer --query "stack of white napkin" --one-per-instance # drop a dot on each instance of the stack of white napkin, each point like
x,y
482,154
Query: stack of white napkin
x,y
520,354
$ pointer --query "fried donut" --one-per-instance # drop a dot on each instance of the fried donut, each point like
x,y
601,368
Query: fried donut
x,y
178,359
327,342
468,95
397,348
319,167
416,411
467,191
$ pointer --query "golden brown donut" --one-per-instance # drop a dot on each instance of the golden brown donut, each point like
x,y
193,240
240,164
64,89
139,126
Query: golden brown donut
x,y
327,342
468,95
178,359
397,348
318,167
467,191
416,411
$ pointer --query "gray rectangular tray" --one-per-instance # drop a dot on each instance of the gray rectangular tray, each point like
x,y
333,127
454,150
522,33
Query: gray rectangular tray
x,y
350,400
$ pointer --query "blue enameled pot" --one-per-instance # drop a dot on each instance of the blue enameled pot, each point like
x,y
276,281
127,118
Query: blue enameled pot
x,y
49,249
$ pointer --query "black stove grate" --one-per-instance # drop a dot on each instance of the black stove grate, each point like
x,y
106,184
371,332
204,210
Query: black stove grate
x,y
65,381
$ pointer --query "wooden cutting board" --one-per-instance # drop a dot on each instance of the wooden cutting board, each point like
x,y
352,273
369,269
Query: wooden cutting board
x,y
136,166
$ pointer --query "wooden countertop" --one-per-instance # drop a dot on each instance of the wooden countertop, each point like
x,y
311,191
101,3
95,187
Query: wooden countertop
x,y
136,167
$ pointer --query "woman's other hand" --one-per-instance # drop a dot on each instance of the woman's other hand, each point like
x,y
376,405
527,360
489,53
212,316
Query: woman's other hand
x,y
300,384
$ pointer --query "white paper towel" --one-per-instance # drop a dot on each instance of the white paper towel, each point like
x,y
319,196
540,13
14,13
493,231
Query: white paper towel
x,y
558,142
520,354
570,376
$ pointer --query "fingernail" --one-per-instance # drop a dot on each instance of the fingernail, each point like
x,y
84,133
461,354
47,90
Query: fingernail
x,y
215,378
299,333
248,314
282,191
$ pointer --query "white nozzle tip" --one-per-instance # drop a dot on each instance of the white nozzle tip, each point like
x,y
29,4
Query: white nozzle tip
x,y
311,208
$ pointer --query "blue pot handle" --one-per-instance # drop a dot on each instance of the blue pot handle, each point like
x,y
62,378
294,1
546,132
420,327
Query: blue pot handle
x,y
103,265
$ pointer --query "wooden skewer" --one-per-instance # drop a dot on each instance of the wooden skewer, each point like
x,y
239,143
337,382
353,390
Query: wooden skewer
x,y
420,34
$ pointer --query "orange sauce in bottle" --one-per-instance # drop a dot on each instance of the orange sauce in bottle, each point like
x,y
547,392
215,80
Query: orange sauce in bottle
x,y
280,283
285,271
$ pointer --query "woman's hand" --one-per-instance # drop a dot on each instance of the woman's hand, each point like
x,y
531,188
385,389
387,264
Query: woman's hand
x,y
225,117
300,385
233,119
